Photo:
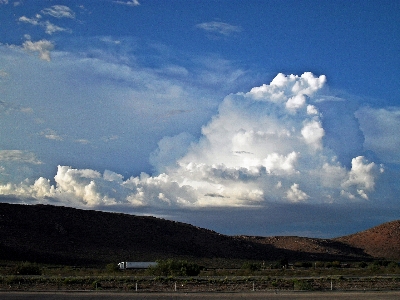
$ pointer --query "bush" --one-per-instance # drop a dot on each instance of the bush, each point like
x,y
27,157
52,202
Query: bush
x,y
96,284
284,262
28,269
112,268
172,267
393,265
302,285
333,264
303,264
381,263
250,266
362,265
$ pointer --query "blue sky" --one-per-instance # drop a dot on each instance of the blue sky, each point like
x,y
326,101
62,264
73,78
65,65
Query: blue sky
x,y
245,117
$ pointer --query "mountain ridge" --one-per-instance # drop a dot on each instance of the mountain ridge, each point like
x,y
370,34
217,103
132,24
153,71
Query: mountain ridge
x,y
65,235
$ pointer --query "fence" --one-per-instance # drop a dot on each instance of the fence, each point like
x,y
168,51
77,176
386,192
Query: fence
x,y
198,284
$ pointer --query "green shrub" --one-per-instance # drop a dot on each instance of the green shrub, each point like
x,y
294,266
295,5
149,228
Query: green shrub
x,y
303,264
374,267
333,264
172,267
11,279
302,285
27,268
74,280
381,263
362,265
112,268
393,265
251,266
96,284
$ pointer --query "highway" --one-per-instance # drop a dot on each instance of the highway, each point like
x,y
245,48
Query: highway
x,y
368,295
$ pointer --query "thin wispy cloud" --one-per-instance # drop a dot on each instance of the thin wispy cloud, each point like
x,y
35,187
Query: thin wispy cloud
x,y
82,141
7,107
128,3
110,138
59,11
51,135
3,74
19,156
221,28
33,21
49,27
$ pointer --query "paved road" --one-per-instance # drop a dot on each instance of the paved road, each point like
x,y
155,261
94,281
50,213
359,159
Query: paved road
x,y
390,295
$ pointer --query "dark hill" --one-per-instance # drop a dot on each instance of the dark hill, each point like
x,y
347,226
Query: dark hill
x,y
45,233
54,234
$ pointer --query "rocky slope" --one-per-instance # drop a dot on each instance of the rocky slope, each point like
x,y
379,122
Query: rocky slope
x,y
382,241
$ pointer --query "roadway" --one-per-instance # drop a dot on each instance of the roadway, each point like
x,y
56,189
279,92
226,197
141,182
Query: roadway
x,y
367,295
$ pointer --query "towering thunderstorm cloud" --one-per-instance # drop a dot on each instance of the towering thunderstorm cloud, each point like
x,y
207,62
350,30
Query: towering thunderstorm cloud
x,y
266,145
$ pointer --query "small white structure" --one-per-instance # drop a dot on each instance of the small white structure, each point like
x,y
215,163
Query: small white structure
x,y
136,264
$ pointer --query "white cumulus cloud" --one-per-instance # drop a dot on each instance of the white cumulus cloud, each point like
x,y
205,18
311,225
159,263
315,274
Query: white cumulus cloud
x,y
284,88
43,47
263,146
362,176
294,194
313,133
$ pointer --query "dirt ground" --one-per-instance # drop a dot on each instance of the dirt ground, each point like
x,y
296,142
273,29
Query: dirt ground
x,y
198,285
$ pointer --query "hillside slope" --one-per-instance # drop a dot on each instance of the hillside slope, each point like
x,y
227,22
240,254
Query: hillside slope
x,y
382,241
315,248
53,234
67,235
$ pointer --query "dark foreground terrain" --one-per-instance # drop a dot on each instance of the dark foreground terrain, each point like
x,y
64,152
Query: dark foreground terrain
x,y
63,235
199,284
368,295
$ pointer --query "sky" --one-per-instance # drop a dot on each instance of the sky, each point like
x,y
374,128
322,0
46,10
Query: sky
x,y
243,117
